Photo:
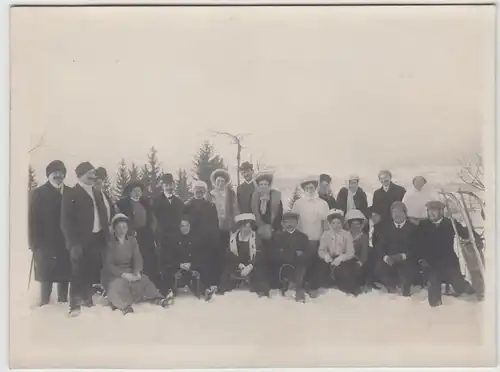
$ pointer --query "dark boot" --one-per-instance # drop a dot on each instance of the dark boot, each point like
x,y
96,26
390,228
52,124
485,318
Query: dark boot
x,y
300,296
62,292
46,291
128,310
209,294
74,311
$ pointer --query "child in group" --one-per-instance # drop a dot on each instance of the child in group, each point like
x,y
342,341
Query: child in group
x,y
356,221
338,257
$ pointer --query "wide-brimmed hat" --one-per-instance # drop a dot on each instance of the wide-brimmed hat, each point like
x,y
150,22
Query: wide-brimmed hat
x,y
335,212
354,214
290,216
132,185
307,181
246,166
435,204
264,176
119,217
197,184
220,173
244,217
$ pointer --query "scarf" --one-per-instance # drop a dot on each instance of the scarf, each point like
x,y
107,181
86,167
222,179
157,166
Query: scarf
x,y
264,199
233,244
350,200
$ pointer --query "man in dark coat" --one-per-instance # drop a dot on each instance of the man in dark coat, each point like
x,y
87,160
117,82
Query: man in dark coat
x,y
84,222
396,263
101,176
386,195
141,225
353,197
325,192
292,255
168,211
437,254
204,221
245,191
51,259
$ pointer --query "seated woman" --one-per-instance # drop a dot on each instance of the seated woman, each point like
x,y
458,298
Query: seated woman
x,y
337,257
355,221
244,260
186,260
121,275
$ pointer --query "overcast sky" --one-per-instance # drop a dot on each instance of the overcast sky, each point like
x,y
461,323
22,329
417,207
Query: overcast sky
x,y
320,89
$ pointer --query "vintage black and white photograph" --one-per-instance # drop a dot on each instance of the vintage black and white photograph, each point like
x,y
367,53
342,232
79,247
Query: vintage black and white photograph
x,y
252,186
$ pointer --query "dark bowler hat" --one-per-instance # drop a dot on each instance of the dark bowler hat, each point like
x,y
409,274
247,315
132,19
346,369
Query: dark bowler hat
x,y
246,166
132,185
435,204
55,166
101,173
83,168
167,178
290,216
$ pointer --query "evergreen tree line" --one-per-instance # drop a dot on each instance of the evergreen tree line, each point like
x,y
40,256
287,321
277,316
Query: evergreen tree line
x,y
205,161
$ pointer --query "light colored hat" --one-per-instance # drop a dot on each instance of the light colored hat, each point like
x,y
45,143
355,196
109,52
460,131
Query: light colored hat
x,y
355,214
220,173
313,180
118,216
244,217
353,177
199,185
335,211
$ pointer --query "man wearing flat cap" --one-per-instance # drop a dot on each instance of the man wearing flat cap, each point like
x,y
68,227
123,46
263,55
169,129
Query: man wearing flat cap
x,y
437,255
325,191
84,222
396,263
168,210
245,191
46,239
386,195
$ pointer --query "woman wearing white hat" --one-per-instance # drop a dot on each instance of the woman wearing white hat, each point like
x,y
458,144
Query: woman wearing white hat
x,y
337,257
244,261
122,272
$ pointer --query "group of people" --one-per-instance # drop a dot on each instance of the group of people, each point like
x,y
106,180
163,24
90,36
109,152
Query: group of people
x,y
149,248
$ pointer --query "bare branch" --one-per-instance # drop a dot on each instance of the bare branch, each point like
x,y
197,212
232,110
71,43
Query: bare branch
x,y
472,172
38,144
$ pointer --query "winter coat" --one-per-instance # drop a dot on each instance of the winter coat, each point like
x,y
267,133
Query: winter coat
x,y
226,223
275,211
77,216
330,200
436,243
236,255
244,193
202,216
168,214
125,206
395,240
186,249
382,200
292,248
360,200
46,239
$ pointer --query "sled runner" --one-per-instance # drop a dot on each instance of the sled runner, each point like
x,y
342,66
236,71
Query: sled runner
x,y
189,278
469,249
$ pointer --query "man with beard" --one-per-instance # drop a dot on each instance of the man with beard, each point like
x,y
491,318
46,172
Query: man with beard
x,y
389,193
325,191
205,225
437,254
168,210
51,259
245,191
84,222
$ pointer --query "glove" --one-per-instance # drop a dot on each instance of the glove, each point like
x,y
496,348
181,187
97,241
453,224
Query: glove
x,y
185,266
241,266
195,274
389,260
337,261
300,253
247,270
178,275
328,259
75,253
359,263
137,276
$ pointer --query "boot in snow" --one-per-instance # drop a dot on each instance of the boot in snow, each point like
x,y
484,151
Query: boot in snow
x,y
74,312
300,296
128,310
209,294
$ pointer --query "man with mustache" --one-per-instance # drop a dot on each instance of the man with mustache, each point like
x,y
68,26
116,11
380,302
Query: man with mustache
x,y
84,222
46,239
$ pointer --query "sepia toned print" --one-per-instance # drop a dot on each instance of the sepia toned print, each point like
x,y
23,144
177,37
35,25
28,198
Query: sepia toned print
x,y
216,187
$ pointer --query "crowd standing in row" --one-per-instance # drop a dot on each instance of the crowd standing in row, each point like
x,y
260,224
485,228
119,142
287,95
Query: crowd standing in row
x,y
143,249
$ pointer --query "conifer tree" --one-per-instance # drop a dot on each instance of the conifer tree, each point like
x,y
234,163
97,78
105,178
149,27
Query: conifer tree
x,y
122,179
182,186
206,161
32,183
295,196
134,172
155,172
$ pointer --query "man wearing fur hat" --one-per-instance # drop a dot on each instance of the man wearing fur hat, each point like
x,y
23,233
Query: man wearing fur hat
x,y
437,255
168,210
46,239
396,263
325,191
205,224
84,222
245,191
